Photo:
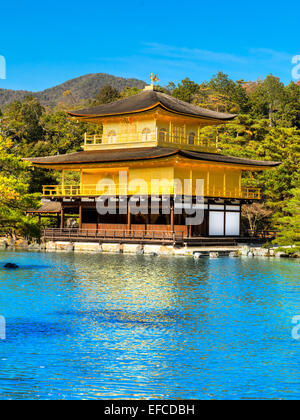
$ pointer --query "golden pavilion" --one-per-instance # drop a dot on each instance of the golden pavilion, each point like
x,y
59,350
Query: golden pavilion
x,y
150,143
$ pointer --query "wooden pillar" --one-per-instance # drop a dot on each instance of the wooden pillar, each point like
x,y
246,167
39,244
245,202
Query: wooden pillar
x,y
172,218
81,182
128,219
80,215
63,182
208,184
148,217
190,231
62,218
240,185
98,222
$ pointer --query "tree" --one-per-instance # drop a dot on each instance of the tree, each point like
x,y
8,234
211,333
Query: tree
x,y
291,113
268,99
171,87
289,224
235,94
22,120
210,99
186,90
14,196
256,215
222,84
107,95
129,91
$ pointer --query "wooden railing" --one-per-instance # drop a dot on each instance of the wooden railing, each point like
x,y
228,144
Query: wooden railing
x,y
251,193
111,234
104,189
105,139
119,235
193,143
264,234
124,190
162,138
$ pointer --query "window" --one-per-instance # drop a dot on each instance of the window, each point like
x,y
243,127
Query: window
x,y
112,137
178,134
146,134
192,137
162,134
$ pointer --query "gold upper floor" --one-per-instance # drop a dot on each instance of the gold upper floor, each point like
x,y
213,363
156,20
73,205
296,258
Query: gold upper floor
x,y
174,176
151,129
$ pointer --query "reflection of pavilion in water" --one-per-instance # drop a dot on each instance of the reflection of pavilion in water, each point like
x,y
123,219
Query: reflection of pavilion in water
x,y
142,313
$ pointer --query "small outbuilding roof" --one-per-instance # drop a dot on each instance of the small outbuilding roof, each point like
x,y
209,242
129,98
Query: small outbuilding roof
x,y
47,207
147,100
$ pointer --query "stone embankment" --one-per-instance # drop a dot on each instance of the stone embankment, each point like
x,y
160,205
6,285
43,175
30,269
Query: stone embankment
x,y
151,250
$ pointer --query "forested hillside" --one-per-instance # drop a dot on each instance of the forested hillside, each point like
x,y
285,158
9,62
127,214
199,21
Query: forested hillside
x,y
268,128
82,88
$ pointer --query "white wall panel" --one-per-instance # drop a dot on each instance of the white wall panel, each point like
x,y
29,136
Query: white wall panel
x,y
216,223
232,224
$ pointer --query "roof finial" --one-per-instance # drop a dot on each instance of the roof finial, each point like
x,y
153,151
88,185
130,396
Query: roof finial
x,y
154,79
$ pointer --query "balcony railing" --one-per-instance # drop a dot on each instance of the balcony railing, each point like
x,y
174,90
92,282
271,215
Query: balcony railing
x,y
186,141
138,137
246,193
162,138
125,190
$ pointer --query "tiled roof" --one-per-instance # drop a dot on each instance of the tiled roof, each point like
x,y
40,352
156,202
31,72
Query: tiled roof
x,y
148,100
105,156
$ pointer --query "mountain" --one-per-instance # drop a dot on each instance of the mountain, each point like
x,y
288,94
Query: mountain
x,y
82,88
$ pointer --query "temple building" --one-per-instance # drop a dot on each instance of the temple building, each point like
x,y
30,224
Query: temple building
x,y
151,147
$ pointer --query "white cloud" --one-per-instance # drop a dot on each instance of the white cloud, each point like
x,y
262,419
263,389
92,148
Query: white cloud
x,y
191,53
270,55
176,63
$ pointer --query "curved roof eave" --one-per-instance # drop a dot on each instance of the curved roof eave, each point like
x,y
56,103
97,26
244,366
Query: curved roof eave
x,y
148,100
140,154
96,116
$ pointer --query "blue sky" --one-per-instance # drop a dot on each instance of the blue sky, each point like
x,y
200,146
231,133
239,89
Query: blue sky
x,y
46,43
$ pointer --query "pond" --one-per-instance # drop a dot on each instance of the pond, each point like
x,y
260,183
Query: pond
x,y
94,326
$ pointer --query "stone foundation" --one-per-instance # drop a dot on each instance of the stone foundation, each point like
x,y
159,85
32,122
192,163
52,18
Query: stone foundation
x,y
112,248
64,246
133,249
87,247
138,249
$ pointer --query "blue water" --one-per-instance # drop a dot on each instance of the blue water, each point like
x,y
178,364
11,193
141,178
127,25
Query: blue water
x,y
111,326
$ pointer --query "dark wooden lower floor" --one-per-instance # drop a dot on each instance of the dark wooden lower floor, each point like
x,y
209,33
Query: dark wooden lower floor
x,y
82,221
216,220
110,235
